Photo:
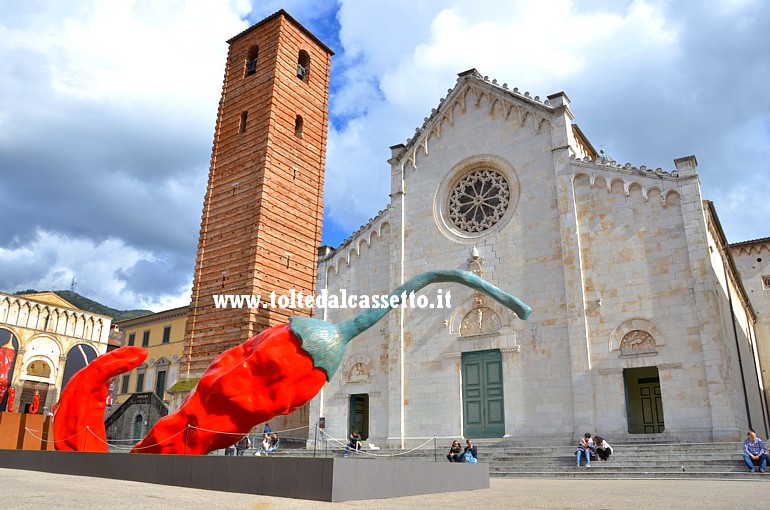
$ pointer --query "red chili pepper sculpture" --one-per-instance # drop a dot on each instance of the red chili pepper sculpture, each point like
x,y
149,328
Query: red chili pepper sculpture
x,y
35,403
268,375
11,398
276,372
78,422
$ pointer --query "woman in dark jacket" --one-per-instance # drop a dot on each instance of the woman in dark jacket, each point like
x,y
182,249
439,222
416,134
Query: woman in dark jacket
x,y
454,452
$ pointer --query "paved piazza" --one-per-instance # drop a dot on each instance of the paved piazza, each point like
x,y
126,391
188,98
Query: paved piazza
x,y
64,491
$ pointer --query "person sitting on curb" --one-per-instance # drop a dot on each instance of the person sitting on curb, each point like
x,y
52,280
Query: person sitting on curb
x,y
354,444
265,444
754,452
603,448
454,452
584,447
469,454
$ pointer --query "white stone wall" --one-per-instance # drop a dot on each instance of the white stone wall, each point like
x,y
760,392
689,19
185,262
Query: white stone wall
x,y
361,267
752,260
635,265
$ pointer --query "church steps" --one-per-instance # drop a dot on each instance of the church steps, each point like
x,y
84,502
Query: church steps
x,y
667,460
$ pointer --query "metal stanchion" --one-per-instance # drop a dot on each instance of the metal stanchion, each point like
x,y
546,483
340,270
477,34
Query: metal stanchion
x,y
315,443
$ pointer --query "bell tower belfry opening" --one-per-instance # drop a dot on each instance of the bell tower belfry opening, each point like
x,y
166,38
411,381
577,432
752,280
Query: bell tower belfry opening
x,y
262,213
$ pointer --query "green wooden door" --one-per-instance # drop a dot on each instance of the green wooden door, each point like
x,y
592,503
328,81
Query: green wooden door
x,y
483,401
358,419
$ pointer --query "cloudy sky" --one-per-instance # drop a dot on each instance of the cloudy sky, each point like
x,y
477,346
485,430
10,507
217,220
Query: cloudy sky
x,y
107,112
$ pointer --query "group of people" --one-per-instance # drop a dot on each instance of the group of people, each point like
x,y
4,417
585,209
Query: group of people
x,y
588,447
269,444
468,455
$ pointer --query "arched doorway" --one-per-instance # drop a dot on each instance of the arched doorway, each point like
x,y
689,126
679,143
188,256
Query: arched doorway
x,y
36,376
136,427
78,357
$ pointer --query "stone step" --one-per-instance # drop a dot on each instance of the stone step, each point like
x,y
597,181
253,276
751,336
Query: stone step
x,y
731,468
594,474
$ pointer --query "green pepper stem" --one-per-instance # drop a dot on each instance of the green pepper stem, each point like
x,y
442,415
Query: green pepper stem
x,y
351,328
325,343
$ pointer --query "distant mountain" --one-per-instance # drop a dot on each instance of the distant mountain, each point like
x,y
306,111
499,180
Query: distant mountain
x,y
90,305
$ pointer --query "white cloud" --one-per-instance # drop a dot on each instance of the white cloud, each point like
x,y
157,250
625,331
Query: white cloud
x,y
51,260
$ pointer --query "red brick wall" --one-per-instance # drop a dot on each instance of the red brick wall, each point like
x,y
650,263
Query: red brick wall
x,y
262,214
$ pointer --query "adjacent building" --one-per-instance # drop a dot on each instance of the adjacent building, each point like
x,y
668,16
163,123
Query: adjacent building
x,y
44,340
141,396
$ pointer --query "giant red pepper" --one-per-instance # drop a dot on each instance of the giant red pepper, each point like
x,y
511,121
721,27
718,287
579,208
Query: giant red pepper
x,y
278,371
273,373
268,375
78,421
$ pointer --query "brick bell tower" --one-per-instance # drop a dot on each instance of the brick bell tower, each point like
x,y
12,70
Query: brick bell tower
x,y
262,214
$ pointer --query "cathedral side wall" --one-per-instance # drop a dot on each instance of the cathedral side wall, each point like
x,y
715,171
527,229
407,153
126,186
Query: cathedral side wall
x,y
359,268
753,264
739,338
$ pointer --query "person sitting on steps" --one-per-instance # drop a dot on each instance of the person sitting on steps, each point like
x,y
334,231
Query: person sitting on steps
x,y
355,443
603,448
470,454
754,452
584,448
454,452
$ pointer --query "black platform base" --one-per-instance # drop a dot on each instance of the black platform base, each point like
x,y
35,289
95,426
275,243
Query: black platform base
x,y
337,479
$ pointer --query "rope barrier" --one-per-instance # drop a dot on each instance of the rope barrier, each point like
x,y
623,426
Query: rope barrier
x,y
161,442
363,452
118,447
27,429
241,434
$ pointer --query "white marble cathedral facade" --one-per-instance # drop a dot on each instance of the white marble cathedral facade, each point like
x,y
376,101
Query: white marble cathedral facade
x,y
640,325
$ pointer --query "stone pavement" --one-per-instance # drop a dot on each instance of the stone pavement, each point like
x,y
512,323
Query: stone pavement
x,y
28,489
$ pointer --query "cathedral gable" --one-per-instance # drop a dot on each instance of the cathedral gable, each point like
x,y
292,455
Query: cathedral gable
x,y
473,91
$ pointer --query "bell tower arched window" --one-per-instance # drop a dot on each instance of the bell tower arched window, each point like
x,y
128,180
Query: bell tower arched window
x,y
303,65
298,123
251,60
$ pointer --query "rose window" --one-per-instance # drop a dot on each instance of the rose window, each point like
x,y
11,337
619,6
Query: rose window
x,y
479,201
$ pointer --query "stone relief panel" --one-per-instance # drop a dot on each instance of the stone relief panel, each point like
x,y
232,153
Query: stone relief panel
x,y
477,316
357,369
39,368
636,337
637,342
480,321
